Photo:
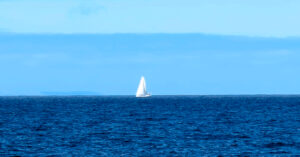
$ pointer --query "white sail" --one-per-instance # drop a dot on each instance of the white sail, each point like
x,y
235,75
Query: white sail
x,y
141,91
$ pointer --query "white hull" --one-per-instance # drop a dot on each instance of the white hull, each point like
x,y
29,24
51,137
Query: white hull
x,y
143,96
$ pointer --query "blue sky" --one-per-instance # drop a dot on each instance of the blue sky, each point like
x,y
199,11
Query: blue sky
x,y
278,18
171,63
181,47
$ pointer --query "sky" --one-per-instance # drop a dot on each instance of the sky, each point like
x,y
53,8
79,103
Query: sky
x,y
191,47
269,18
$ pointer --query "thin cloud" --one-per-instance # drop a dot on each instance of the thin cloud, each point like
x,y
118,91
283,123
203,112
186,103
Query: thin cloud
x,y
87,8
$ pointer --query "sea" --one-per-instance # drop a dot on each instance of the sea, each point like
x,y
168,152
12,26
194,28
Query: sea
x,y
257,125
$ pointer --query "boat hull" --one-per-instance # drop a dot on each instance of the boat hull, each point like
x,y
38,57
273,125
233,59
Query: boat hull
x,y
143,96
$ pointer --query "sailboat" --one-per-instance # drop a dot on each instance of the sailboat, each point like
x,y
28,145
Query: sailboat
x,y
141,91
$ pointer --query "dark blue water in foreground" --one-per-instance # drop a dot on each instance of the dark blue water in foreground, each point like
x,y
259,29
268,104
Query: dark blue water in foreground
x,y
156,126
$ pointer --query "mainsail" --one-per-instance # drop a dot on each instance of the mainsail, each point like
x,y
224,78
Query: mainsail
x,y
141,91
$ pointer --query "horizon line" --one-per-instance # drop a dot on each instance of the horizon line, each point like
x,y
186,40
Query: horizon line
x,y
121,95
149,33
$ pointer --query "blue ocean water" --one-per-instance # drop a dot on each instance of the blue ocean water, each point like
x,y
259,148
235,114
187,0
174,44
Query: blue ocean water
x,y
155,126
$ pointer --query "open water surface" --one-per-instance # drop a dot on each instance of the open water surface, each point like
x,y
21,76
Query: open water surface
x,y
155,126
